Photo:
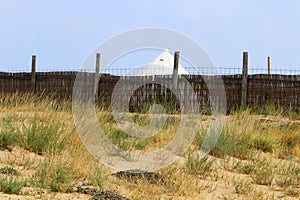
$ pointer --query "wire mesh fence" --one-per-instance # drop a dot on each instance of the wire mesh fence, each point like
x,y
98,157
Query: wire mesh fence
x,y
281,87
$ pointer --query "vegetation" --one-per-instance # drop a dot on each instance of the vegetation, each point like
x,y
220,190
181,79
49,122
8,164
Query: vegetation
x,y
257,152
11,185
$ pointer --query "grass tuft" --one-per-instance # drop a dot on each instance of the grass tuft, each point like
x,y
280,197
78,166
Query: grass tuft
x,y
11,185
42,137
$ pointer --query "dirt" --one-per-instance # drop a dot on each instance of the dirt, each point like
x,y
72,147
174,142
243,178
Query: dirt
x,y
15,161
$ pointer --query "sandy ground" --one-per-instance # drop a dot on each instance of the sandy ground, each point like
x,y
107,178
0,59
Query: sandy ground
x,y
219,186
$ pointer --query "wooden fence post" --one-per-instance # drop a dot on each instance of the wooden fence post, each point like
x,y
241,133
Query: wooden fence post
x,y
269,65
96,81
175,70
244,79
33,70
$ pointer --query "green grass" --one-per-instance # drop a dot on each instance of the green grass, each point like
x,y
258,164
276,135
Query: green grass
x,y
61,180
228,144
41,137
97,177
263,171
199,166
11,185
65,162
9,133
56,177
264,143
242,187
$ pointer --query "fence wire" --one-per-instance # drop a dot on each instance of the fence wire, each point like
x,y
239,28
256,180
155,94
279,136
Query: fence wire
x,y
281,86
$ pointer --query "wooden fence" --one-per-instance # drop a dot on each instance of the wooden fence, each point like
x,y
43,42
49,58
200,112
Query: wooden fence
x,y
282,90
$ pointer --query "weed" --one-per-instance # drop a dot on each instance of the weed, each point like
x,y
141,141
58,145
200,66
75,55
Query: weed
x,y
244,168
242,187
53,176
288,175
97,177
263,171
292,192
141,120
294,115
199,166
43,138
229,144
272,109
11,185
9,134
264,143
61,180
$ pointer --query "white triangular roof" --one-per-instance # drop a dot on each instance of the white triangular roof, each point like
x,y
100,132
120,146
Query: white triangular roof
x,y
163,64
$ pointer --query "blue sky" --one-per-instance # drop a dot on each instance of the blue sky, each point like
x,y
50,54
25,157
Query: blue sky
x,y
63,32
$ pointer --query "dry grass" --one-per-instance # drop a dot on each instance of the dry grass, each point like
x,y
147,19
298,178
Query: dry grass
x,y
255,152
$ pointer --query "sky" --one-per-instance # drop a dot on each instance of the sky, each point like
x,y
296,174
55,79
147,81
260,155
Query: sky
x,y
62,33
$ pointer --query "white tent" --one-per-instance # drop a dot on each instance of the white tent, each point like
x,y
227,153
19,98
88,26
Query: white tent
x,y
163,64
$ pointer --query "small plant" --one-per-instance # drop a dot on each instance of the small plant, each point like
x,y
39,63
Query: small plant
x,y
285,181
41,137
141,144
244,168
289,138
141,120
61,180
292,192
264,143
294,115
199,166
119,138
288,175
7,140
263,172
228,144
11,185
55,177
97,177
272,109
242,187
9,134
